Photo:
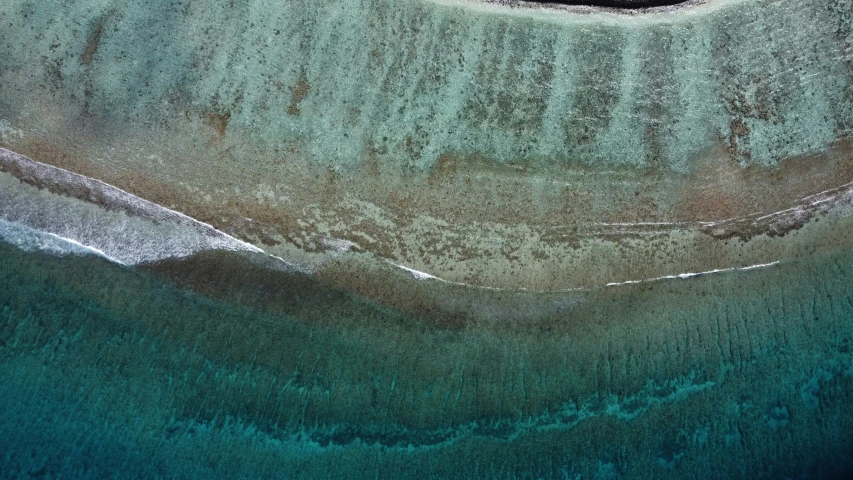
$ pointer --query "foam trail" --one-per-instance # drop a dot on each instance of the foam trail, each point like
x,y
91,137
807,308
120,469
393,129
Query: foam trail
x,y
694,274
98,216
31,240
417,273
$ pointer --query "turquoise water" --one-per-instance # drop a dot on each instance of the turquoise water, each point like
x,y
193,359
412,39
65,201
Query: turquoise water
x,y
117,371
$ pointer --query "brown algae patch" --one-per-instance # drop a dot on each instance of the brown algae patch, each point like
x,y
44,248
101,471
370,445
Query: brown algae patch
x,y
298,93
483,225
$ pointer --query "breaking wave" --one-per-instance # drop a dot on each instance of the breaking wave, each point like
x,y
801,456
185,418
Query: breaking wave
x,y
51,209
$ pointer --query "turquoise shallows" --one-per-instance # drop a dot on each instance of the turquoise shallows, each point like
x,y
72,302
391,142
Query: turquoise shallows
x,y
414,79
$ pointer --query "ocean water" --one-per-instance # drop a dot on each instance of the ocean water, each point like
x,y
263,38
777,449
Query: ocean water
x,y
426,239
216,364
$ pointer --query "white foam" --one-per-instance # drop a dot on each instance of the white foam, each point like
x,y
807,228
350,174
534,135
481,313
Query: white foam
x,y
108,221
417,273
337,245
686,275
584,14
31,240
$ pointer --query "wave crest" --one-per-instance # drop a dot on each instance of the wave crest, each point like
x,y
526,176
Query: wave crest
x,y
48,208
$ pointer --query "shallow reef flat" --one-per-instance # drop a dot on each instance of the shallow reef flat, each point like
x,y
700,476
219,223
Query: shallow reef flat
x,y
484,144
426,239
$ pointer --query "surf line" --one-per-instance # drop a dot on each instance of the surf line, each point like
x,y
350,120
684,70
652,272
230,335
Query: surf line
x,y
61,181
30,239
419,275
694,274
64,183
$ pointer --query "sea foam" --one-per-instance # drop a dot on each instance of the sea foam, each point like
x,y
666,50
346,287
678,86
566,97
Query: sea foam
x,y
51,209
30,240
